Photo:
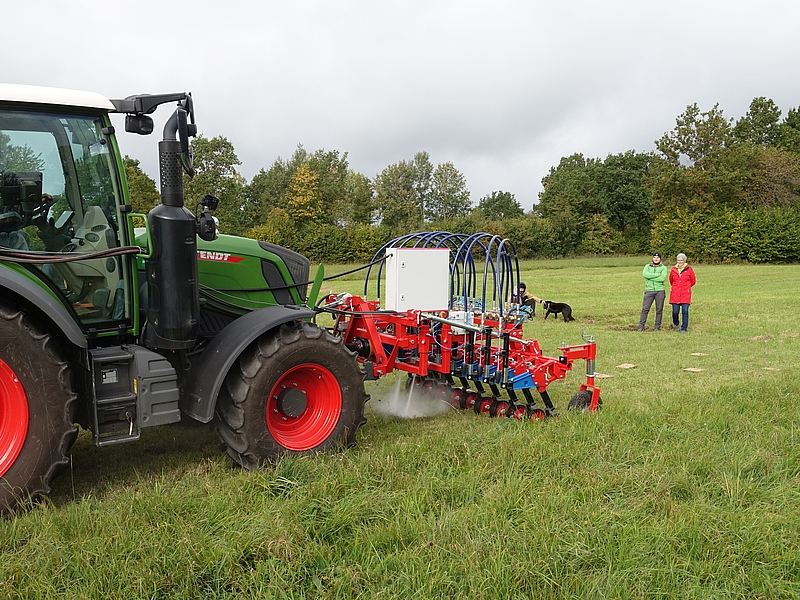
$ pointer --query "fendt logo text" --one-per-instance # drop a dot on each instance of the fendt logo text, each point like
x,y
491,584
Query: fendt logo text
x,y
218,256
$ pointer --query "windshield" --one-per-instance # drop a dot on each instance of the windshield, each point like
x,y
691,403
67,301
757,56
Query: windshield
x,y
70,152
59,193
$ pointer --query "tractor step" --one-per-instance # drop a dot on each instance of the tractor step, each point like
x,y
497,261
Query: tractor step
x,y
133,388
115,401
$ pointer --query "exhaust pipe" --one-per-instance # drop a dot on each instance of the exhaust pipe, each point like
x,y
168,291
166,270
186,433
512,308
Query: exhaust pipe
x,y
172,283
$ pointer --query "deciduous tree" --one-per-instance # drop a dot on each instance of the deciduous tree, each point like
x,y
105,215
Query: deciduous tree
x,y
143,192
697,137
760,125
449,196
396,195
360,208
331,168
269,188
303,198
14,157
790,131
572,186
500,205
622,180
215,163
423,179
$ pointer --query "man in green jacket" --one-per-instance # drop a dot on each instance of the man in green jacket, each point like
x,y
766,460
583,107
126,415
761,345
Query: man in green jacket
x,y
654,275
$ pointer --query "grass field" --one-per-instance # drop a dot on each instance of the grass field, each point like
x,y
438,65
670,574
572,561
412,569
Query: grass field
x,y
685,485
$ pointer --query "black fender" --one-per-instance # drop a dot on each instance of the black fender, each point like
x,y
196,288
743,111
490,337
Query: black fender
x,y
31,294
208,372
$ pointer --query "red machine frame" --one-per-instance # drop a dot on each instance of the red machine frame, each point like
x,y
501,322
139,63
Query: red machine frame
x,y
435,351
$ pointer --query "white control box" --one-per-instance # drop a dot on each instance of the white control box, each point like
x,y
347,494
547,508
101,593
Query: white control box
x,y
417,278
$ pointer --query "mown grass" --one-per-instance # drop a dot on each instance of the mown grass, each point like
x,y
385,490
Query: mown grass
x,y
686,484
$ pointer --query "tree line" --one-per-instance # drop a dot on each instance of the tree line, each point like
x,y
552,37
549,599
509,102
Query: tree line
x,y
713,187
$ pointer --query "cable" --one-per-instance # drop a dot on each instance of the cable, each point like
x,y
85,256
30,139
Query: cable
x,y
334,311
438,343
367,266
297,285
207,291
34,257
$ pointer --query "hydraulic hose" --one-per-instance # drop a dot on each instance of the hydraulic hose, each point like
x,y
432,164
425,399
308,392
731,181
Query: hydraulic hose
x,y
34,257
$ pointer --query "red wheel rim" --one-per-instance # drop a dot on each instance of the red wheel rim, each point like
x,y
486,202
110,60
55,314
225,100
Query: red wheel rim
x,y
13,417
485,406
323,405
501,409
470,400
520,412
443,392
537,414
456,396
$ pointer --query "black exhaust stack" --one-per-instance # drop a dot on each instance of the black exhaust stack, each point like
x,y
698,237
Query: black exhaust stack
x,y
173,291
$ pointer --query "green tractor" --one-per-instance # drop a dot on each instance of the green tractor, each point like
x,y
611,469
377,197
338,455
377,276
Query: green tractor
x,y
114,328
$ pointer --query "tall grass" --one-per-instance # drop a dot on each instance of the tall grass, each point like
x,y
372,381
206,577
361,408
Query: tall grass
x,y
685,485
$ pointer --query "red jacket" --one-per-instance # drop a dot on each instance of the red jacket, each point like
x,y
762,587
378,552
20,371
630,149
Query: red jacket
x,y
681,282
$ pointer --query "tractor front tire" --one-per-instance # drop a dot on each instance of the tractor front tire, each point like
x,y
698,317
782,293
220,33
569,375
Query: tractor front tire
x,y
293,391
37,407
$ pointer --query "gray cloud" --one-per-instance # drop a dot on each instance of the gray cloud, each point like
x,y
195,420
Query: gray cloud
x,y
503,90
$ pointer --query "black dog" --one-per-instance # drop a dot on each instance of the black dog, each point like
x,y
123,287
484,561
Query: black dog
x,y
557,307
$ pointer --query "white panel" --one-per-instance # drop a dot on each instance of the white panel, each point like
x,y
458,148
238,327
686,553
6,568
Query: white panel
x,y
417,278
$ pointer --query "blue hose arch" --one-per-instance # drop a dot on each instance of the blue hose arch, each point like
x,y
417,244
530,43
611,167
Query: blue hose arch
x,y
500,266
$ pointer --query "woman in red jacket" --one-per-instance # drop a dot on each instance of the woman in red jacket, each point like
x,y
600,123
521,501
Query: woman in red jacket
x,y
681,278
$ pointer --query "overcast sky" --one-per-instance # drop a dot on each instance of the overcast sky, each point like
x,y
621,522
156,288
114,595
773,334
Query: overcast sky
x,y
502,89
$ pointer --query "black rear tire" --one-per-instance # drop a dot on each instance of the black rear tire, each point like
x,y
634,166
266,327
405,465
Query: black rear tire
x,y
37,406
293,391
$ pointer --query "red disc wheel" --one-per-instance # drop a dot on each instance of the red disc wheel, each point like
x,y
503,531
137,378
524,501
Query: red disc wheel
x,y
443,392
484,405
537,414
13,417
499,408
457,398
304,407
520,413
470,399
428,387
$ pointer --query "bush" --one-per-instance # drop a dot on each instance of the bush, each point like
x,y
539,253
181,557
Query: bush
x,y
726,235
599,237
279,229
533,237
365,240
759,235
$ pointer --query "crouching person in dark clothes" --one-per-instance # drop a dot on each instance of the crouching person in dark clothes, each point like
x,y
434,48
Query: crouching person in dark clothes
x,y
525,298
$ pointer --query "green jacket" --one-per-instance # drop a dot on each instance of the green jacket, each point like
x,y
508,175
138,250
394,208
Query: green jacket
x,y
654,277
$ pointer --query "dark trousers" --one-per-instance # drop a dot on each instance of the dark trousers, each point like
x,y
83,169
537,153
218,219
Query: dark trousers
x,y
532,303
684,310
649,298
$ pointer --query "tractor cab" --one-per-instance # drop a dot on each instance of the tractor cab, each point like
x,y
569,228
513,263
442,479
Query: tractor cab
x,y
61,192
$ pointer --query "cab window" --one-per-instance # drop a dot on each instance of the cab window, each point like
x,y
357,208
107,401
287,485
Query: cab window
x,y
60,193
